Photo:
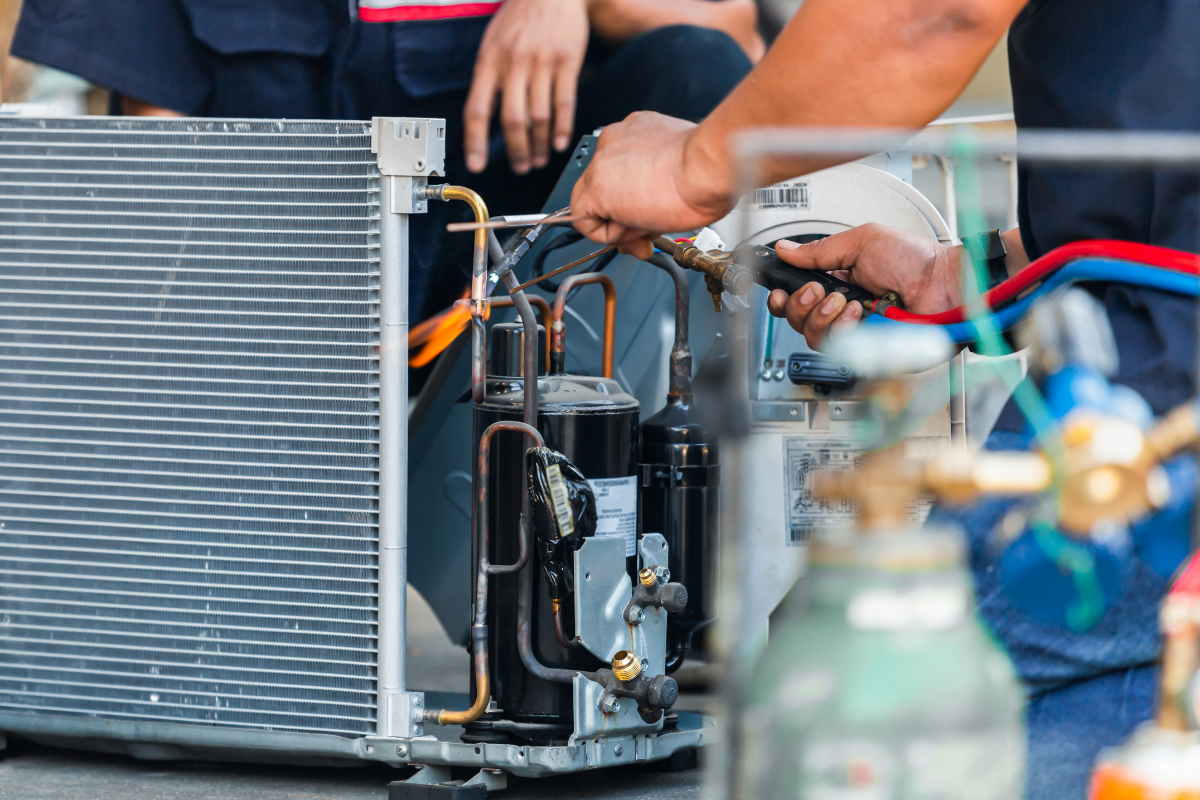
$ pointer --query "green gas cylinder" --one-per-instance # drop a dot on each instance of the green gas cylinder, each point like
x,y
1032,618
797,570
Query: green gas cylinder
x,y
881,683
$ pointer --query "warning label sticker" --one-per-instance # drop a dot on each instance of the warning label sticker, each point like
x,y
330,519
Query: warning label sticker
x,y
616,509
805,456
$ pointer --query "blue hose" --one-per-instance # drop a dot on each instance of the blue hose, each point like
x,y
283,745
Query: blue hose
x,y
1088,269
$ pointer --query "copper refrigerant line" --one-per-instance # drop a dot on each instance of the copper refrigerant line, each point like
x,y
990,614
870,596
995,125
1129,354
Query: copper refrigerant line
x,y
558,336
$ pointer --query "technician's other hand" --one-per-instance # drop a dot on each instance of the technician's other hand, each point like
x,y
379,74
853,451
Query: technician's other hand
x,y
531,55
924,272
646,177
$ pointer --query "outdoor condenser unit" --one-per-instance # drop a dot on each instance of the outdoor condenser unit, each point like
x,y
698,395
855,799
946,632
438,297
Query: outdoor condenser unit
x,y
203,435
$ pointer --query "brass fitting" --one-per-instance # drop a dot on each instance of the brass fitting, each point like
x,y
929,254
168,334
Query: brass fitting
x,y
555,605
626,665
721,274
647,577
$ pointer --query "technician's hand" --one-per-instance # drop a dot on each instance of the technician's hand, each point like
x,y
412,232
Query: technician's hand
x,y
925,274
531,55
648,169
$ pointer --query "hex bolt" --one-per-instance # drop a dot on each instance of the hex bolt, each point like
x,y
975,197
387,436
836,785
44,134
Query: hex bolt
x,y
645,664
401,750
636,615
663,574
611,705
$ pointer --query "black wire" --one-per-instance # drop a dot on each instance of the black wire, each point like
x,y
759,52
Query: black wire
x,y
567,238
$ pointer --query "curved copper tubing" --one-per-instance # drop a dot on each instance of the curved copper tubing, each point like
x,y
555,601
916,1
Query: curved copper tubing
x,y
479,300
558,333
559,633
484,569
542,306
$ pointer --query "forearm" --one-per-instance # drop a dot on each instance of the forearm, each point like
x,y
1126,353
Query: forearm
x,y
899,65
618,21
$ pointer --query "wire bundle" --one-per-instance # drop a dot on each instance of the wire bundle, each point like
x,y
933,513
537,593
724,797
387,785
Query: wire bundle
x,y
1103,260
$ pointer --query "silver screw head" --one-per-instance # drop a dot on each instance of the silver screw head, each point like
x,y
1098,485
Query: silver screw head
x,y
765,375
611,705
618,749
645,664
636,615
780,374
663,574
401,750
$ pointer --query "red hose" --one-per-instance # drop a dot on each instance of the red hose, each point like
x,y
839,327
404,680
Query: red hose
x,y
1039,270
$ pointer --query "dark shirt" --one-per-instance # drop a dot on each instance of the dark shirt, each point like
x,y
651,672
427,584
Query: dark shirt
x,y
250,58
1116,65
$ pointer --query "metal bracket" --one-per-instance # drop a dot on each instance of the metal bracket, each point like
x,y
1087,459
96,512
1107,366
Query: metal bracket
x,y
592,723
653,549
602,591
409,147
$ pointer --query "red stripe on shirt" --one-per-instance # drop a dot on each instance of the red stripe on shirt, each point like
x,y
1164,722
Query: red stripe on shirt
x,y
411,13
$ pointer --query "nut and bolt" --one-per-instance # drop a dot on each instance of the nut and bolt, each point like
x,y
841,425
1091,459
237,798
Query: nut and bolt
x,y
611,705
401,750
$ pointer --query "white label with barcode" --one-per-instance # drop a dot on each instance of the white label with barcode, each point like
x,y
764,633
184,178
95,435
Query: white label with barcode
x,y
794,195
562,505
616,509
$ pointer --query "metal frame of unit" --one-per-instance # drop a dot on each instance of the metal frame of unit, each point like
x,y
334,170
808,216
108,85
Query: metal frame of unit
x,y
408,152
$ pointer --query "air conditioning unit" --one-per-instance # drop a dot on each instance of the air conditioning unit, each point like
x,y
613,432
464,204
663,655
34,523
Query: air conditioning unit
x,y
203,442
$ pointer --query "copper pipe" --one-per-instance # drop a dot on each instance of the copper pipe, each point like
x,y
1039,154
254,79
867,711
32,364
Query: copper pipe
x,y
680,387
558,333
484,569
479,300
540,303
559,634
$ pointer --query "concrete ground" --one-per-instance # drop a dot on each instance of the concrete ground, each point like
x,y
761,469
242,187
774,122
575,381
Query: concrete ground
x,y
35,772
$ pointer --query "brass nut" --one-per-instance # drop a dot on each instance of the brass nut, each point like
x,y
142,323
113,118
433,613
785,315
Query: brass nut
x,y
626,666
647,577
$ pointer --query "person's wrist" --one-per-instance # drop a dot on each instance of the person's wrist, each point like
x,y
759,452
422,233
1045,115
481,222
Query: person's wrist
x,y
705,179
943,280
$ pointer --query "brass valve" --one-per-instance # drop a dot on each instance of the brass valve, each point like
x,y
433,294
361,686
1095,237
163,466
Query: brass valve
x,y
626,665
720,273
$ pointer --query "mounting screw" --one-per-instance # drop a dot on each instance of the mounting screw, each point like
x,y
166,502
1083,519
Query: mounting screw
x,y
663,574
795,412
766,375
779,374
611,705
636,615
419,165
618,749
401,750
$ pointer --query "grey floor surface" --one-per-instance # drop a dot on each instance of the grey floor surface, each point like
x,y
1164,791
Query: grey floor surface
x,y
36,772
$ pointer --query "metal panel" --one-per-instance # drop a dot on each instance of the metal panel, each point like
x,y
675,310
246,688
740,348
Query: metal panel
x,y
189,434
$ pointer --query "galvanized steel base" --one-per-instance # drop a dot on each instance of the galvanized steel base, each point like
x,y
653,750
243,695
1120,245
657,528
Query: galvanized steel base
x,y
172,741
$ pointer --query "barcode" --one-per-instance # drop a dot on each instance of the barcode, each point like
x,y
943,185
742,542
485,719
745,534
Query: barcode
x,y
801,535
558,494
793,195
